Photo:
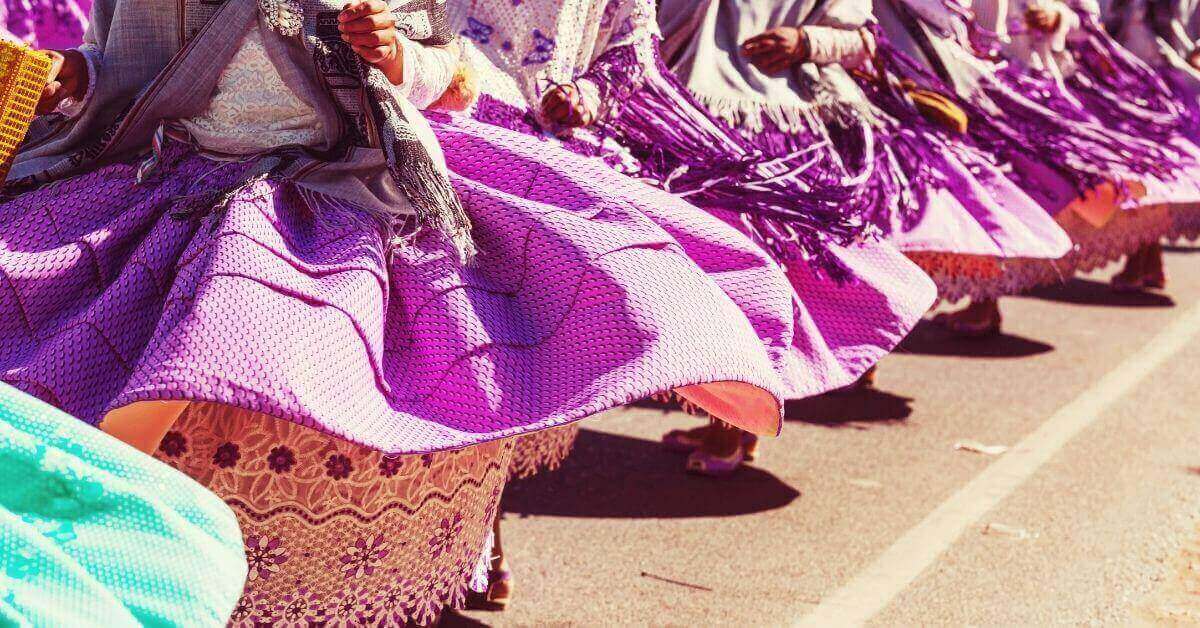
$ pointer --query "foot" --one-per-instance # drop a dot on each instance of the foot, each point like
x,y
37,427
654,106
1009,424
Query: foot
x,y
866,381
1132,277
688,441
980,319
498,593
723,451
1154,276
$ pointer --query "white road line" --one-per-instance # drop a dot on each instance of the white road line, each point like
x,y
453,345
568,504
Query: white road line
x,y
876,586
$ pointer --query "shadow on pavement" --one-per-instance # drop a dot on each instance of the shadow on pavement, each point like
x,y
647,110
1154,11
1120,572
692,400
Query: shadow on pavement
x,y
1185,249
1081,291
455,619
609,475
844,409
930,339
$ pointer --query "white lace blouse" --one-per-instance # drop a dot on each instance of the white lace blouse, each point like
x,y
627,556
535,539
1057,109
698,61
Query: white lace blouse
x,y
252,109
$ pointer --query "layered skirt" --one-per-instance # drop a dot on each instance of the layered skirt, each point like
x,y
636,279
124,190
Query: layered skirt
x,y
391,373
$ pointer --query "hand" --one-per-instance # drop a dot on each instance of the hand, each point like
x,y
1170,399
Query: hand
x,y
564,105
370,29
777,49
68,79
1042,20
1194,58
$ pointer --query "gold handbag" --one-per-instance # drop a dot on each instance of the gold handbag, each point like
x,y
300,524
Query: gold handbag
x,y
24,73
936,107
933,106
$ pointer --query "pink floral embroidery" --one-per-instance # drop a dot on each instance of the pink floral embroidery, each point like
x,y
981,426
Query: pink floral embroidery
x,y
226,455
281,459
363,557
173,444
301,609
352,608
445,534
338,466
264,556
390,466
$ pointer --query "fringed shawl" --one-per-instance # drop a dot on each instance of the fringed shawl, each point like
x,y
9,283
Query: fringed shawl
x,y
702,40
161,61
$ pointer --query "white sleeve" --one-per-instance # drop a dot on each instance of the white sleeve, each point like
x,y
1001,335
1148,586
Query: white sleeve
x,y
428,72
847,48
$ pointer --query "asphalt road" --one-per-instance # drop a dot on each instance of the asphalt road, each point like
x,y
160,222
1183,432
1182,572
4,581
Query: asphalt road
x,y
865,512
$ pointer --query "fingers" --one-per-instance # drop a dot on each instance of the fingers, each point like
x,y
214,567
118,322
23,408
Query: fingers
x,y
761,43
373,39
52,96
56,63
372,54
563,105
373,22
772,61
358,10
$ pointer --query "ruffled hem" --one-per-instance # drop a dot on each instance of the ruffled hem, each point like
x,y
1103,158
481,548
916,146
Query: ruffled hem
x,y
338,534
979,277
1095,247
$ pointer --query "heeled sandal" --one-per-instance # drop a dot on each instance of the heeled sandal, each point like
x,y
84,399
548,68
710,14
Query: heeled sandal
x,y
983,329
498,594
701,462
688,441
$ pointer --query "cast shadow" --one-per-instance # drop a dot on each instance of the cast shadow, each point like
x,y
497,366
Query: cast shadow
x,y
846,409
452,618
930,339
609,475
1080,291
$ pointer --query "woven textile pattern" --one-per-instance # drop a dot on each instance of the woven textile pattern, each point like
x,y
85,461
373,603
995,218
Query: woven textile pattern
x,y
290,304
94,532
337,534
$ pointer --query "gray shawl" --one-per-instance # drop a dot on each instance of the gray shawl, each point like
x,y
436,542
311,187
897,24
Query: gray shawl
x,y
160,61
702,41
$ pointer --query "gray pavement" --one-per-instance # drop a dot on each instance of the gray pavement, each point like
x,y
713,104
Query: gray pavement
x,y
1095,535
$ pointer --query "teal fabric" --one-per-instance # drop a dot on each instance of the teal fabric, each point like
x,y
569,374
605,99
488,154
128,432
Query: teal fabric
x,y
96,533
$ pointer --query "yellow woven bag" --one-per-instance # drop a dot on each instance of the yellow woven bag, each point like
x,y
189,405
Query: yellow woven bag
x,y
24,73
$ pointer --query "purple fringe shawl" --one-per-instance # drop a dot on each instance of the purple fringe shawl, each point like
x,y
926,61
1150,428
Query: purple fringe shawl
x,y
789,189
1121,91
1005,124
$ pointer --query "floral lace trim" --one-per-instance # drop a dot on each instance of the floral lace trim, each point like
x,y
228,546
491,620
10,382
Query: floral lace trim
x,y
542,451
338,534
982,277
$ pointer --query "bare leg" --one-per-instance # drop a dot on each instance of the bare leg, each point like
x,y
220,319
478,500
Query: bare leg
x,y
1133,276
143,424
1153,273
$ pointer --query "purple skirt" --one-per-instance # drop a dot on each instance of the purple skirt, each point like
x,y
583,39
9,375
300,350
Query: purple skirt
x,y
591,290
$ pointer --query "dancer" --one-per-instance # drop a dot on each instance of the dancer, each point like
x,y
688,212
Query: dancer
x,y
1163,35
579,70
241,251
1019,114
95,532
